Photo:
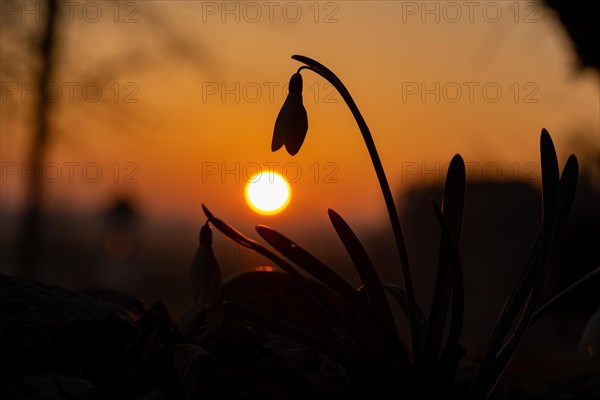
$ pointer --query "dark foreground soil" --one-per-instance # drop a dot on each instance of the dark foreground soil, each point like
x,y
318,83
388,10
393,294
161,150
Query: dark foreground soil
x,y
60,344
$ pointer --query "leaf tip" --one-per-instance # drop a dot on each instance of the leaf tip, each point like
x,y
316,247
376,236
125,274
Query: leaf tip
x,y
261,228
457,158
437,209
572,160
546,139
545,132
207,212
332,213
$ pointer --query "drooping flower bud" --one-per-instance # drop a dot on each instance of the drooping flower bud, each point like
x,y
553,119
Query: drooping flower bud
x,y
292,122
205,273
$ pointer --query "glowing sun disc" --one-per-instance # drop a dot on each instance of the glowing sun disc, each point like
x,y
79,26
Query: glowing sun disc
x,y
268,193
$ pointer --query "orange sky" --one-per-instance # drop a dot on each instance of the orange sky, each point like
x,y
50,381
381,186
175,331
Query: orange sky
x,y
186,141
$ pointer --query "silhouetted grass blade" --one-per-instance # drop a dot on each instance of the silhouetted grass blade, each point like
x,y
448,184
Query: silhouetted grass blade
x,y
587,279
550,193
550,210
512,309
558,195
264,322
307,261
452,208
524,285
326,73
363,265
400,295
568,186
229,231
458,290
328,277
454,196
239,238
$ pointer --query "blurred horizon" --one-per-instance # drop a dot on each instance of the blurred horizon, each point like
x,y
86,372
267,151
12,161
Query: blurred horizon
x,y
190,92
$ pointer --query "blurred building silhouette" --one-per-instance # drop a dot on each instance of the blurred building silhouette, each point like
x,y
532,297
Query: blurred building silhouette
x,y
501,222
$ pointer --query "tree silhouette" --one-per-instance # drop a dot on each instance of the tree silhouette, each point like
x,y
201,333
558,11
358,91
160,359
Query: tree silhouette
x,y
580,22
31,228
46,55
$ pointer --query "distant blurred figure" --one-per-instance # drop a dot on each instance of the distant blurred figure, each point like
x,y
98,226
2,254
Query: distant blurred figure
x,y
120,241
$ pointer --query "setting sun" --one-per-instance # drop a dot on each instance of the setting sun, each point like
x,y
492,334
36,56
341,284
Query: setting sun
x,y
268,193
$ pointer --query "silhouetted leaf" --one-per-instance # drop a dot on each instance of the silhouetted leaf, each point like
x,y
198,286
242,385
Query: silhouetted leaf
x,y
586,280
528,289
363,265
458,291
308,262
329,278
190,362
452,208
205,273
387,196
239,238
398,293
568,186
454,196
228,230
510,312
265,322
550,194
193,321
550,210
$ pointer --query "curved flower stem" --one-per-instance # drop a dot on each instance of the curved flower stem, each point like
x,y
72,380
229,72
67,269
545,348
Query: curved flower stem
x,y
385,189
